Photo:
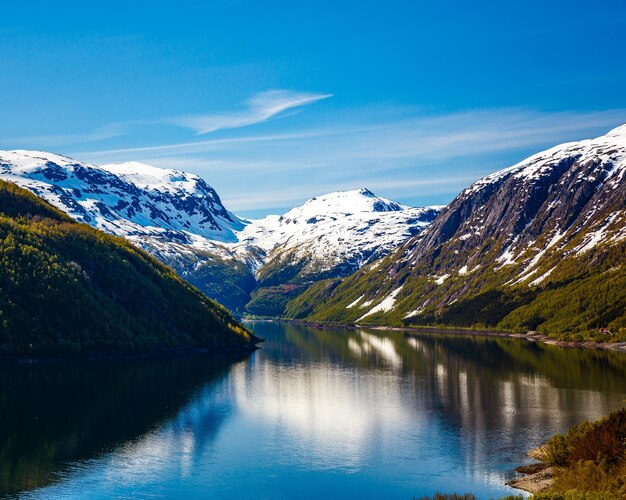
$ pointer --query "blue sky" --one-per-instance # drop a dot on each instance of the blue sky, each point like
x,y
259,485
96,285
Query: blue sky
x,y
274,102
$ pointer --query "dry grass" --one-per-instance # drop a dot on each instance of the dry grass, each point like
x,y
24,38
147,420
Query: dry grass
x,y
591,458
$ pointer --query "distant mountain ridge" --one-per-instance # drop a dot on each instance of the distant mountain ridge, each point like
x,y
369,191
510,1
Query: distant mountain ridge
x,y
123,199
344,228
180,219
539,245
331,235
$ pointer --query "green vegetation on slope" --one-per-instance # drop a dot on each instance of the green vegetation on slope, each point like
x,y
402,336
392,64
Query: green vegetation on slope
x,y
271,300
228,281
590,460
582,294
66,288
285,276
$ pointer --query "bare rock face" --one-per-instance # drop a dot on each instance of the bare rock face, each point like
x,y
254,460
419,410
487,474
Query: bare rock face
x,y
562,191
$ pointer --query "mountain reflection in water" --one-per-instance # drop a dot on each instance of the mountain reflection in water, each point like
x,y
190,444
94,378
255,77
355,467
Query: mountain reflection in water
x,y
332,413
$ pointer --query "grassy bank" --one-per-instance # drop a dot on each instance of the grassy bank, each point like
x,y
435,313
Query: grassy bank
x,y
588,462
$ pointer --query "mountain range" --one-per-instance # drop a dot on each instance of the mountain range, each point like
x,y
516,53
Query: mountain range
x,y
539,246
253,265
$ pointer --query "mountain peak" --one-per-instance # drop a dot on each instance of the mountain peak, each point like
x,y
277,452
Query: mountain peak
x,y
124,199
134,167
542,163
345,202
27,159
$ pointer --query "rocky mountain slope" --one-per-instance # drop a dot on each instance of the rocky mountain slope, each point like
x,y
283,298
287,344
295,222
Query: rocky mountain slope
x,y
540,245
67,288
180,219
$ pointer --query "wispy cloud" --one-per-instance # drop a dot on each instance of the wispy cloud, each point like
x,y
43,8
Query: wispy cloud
x,y
259,108
405,155
425,137
290,196
204,145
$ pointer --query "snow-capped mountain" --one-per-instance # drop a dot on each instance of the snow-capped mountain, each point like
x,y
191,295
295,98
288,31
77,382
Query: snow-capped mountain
x,y
516,249
181,220
332,235
125,199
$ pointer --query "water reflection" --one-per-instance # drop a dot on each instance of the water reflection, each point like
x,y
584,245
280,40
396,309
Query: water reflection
x,y
315,413
54,415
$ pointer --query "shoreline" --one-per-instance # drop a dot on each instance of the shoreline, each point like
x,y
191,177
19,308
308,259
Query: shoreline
x,y
536,477
530,336
107,357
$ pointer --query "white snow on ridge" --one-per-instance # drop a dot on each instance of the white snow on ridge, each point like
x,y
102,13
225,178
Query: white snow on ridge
x,y
148,177
441,279
600,235
415,312
338,227
344,202
541,278
170,212
610,147
507,257
125,200
352,304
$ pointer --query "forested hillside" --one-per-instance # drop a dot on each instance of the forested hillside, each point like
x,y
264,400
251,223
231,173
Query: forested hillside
x,y
67,288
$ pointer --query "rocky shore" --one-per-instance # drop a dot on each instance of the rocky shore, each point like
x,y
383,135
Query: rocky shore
x,y
537,477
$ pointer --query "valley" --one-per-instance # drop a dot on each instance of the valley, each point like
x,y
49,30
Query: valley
x,y
178,218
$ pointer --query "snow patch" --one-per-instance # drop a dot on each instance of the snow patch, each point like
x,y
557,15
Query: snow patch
x,y
595,237
386,305
541,278
507,257
352,304
440,280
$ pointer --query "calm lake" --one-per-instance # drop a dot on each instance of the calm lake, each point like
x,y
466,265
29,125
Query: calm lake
x,y
313,414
